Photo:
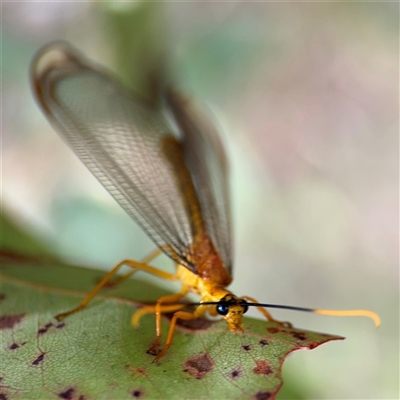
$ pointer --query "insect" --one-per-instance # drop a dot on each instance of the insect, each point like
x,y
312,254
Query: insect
x,y
170,177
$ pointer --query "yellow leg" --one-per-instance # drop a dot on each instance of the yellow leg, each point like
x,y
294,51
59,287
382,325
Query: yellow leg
x,y
187,316
173,298
130,263
159,309
152,310
266,314
145,260
167,308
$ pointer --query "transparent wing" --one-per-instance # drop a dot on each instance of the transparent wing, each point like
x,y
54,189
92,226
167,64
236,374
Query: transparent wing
x,y
207,163
130,148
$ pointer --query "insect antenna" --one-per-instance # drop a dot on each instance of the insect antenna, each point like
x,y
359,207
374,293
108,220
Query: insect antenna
x,y
333,313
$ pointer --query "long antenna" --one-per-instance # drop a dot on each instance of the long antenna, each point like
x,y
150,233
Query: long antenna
x,y
333,313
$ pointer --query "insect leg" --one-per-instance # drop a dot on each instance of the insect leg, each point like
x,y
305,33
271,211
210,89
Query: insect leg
x,y
155,253
130,263
159,309
187,316
266,314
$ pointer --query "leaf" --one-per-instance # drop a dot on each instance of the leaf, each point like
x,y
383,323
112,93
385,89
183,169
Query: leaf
x,y
13,237
96,354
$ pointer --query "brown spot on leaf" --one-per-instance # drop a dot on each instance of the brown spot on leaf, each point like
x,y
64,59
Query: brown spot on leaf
x,y
42,331
136,370
10,256
2,296
38,360
262,368
236,373
263,396
60,325
273,330
199,366
9,321
3,396
81,397
263,342
246,347
67,394
137,393
141,371
299,335
15,346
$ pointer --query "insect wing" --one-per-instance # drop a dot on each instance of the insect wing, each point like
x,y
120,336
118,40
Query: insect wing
x,y
208,166
121,140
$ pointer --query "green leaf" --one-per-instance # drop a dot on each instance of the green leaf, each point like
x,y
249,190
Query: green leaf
x,y
13,239
96,354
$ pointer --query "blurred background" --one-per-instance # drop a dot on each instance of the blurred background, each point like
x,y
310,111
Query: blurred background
x,y
307,99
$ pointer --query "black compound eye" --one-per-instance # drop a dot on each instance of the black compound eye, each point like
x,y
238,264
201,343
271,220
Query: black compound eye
x,y
245,306
222,308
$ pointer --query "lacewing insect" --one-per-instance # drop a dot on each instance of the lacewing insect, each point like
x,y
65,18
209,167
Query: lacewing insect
x,y
172,179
